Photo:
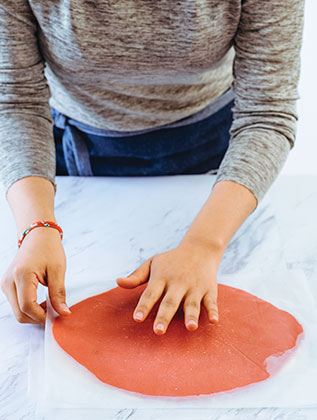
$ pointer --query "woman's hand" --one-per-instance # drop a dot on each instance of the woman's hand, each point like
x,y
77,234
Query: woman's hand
x,y
189,271
186,272
41,258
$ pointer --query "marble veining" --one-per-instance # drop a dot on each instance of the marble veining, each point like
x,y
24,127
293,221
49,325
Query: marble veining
x,y
161,225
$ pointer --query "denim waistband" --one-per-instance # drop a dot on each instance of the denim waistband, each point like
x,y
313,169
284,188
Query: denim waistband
x,y
76,137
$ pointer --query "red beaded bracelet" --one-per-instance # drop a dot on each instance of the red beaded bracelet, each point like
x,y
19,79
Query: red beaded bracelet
x,y
40,223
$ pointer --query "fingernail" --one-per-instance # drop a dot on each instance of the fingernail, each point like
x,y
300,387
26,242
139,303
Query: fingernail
x,y
138,315
191,323
159,327
65,308
214,318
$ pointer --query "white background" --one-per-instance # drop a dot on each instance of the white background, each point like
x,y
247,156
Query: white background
x,y
302,158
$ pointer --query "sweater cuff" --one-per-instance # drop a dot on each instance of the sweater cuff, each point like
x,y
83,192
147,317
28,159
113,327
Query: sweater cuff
x,y
253,159
27,148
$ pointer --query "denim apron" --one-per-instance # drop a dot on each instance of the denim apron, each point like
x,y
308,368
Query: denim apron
x,y
195,148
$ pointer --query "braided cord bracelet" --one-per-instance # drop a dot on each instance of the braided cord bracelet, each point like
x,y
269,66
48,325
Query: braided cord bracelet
x,y
40,223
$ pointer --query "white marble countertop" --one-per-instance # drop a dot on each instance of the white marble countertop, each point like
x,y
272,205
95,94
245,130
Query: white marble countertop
x,y
293,197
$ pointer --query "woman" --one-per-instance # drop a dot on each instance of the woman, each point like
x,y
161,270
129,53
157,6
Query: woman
x,y
144,88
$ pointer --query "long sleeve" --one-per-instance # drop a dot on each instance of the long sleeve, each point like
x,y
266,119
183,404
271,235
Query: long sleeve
x,y
26,135
266,72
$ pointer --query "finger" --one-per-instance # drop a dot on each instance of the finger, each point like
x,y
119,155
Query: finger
x,y
210,303
26,288
148,299
56,289
167,310
137,277
11,294
192,306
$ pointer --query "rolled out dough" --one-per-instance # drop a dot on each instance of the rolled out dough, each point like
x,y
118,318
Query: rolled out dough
x,y
102,336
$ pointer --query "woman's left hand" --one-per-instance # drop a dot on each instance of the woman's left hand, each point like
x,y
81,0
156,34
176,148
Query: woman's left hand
x,y
187,272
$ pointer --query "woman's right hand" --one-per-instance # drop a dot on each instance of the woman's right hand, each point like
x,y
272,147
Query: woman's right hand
x,y
40,259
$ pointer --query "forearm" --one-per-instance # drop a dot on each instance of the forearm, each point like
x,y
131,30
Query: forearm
x,y
227,207
31,199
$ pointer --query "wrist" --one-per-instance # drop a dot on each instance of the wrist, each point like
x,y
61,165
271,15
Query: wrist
x,y
25,222
228,205
209,246
31,199
40,224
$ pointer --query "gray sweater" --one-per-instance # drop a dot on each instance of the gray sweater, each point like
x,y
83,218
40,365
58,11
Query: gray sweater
x,y
134,65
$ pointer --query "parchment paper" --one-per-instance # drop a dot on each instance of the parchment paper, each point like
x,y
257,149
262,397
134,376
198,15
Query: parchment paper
x,y
67,384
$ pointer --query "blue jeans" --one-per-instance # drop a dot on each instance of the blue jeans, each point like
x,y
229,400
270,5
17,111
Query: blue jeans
x,y
191,149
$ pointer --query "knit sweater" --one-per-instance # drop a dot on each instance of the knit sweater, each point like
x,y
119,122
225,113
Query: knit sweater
x,y
129,65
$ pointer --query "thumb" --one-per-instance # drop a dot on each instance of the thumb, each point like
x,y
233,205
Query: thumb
x,y
137,277
56,288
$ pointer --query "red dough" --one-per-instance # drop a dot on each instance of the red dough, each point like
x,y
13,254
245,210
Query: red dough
x,y
102,336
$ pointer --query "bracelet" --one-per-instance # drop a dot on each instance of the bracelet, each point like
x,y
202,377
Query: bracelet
x,y
40,223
